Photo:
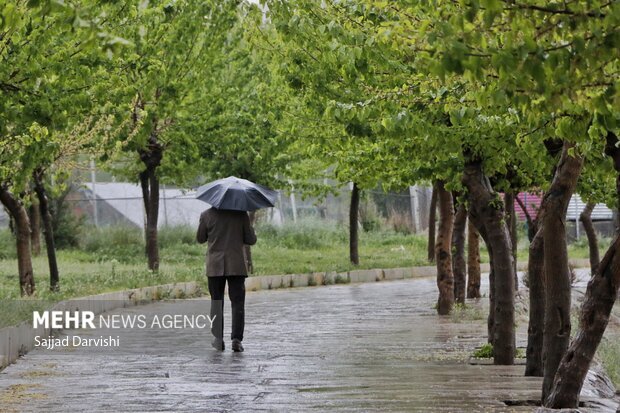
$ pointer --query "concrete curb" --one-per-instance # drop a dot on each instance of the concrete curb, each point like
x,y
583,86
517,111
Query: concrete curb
x,y
18,340
272,282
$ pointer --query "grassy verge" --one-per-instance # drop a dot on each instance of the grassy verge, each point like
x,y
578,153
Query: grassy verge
x,y
113,258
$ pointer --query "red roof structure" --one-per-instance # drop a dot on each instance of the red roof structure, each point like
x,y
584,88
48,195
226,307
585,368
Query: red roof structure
x,y
531,202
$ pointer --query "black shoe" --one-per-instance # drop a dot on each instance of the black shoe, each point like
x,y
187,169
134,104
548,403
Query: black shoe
x,y
218,344
237,346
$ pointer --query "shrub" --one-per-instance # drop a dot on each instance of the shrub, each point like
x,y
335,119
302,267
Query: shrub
x,y
342,279
400,222
484,352
122,243
171,236
371,224
305,234
369,215
66,224
67,228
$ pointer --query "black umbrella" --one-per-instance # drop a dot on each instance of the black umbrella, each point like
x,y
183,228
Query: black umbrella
x,y
236,194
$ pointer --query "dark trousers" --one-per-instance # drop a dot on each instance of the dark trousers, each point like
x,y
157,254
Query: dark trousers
x,y
236,293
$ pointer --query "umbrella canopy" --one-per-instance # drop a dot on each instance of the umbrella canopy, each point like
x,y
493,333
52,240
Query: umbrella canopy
x,y
236,194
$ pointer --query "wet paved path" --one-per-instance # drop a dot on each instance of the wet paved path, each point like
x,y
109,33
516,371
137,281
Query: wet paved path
x,y
376,347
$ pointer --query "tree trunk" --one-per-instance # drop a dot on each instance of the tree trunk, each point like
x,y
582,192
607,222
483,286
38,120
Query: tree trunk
x,y
48,231
586,219
150,195
432,219
492,300
459,266
151,156
598,302
58,204
248,248
22,235
556,335
473,261
532,227
511,222
443,256
536,277
353,226
487,213
35,223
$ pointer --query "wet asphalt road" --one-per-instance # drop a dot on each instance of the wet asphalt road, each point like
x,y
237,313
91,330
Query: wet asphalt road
x,y
377,347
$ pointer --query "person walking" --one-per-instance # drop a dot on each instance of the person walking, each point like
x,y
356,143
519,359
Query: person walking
x,y
227,231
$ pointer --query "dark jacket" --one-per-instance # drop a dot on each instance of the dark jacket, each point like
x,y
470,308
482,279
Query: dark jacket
x,y
227,232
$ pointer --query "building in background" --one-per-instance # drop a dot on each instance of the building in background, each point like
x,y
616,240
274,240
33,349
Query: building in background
x,y
121,203
603,218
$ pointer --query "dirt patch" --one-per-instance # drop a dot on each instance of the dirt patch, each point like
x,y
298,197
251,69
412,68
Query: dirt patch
x,y
16,393
38,373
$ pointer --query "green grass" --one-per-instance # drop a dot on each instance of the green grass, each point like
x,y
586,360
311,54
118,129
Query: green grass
x,y
579,249
13,312
486,352
287,252
112,259
609,354
79,277
7,245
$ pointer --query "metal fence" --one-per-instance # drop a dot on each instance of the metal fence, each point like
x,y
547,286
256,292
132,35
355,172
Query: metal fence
x,y
117,203
404,211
